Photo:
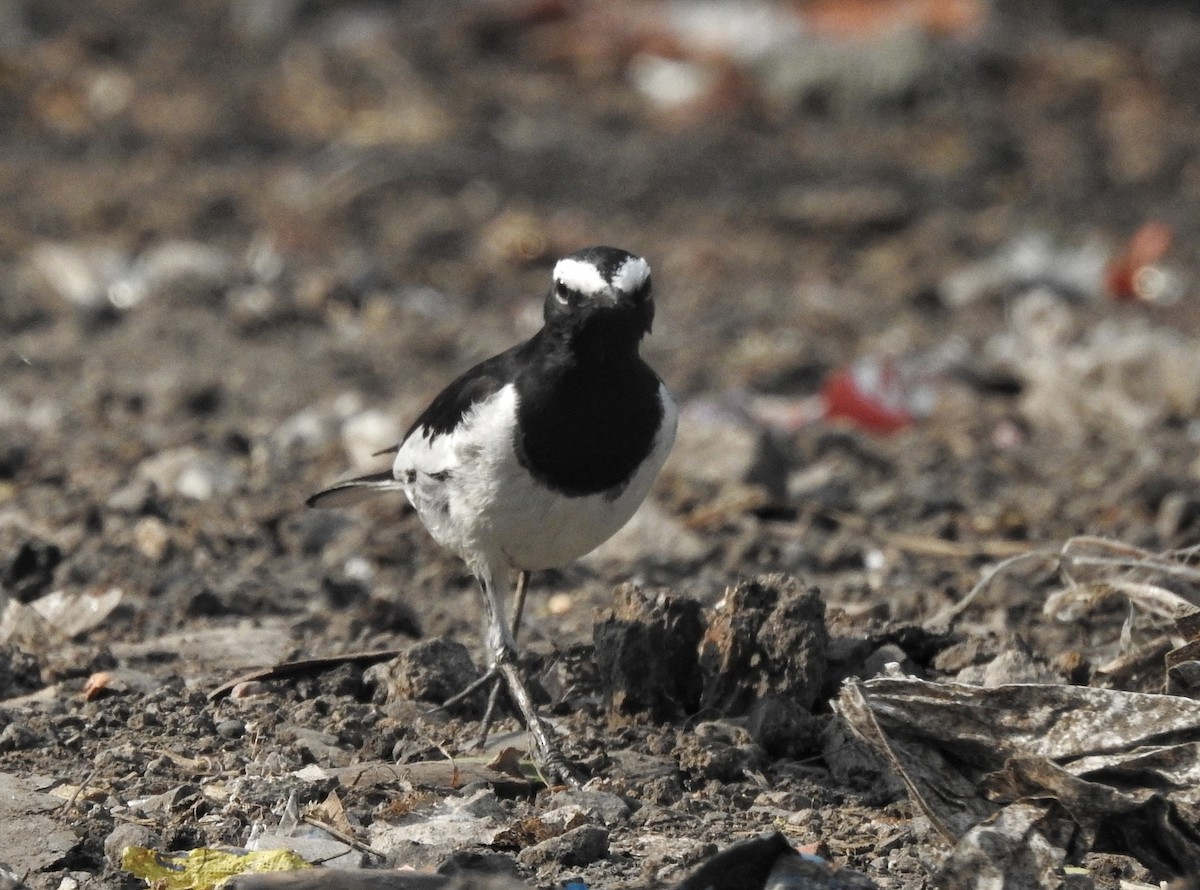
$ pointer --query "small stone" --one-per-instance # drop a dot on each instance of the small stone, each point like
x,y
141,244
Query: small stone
x,y
231,729
18,737
321,747
135,496
431,670
609,808
248,689
560,604
719,751
365,434
888,653
150,538
128,834
574,849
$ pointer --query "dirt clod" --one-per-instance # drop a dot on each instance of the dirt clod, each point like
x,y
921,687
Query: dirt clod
x,y
646,653
767,638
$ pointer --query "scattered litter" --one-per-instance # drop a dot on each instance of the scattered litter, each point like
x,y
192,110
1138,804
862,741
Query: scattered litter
x,y
1138,273
881,395
1122,767
453,823
1085,272
57,617
693,56
118,681
1094,572
1031,262
203,868
1078,378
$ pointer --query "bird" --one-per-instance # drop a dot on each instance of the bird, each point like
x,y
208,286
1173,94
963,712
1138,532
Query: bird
x,y
536,456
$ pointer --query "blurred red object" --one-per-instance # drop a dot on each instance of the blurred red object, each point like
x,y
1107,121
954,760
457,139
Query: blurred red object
x,y
879,395
1131,276
97,684
865,19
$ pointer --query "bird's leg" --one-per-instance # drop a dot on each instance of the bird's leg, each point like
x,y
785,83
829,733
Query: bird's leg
x,y
519,602
502,650
518,608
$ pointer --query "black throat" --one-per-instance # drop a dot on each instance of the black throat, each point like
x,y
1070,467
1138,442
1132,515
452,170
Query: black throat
x,y
587,417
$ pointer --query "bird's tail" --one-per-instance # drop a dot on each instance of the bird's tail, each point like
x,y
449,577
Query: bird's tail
x,y
354,491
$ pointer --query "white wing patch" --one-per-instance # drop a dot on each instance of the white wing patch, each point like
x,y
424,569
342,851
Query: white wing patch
x,y
632,275
581,277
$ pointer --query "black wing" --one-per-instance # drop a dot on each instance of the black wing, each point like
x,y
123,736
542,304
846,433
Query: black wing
x,y
446,411
443,414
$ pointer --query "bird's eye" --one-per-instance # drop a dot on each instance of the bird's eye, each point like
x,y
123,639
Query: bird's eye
x,y
561,293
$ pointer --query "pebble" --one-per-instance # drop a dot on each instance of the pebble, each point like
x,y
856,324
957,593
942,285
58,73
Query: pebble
x,y
231,729
80,276
128,834
249,689
18,737
576,848
135,496
609,808
150,538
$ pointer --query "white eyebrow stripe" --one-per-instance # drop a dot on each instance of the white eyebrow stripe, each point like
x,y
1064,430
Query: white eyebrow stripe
x,y
581,277
631,275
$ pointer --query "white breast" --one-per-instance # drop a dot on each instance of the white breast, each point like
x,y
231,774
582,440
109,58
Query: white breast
x,y
485,505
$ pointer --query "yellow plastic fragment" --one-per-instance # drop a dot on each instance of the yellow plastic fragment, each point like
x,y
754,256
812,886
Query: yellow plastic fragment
x,y
203,869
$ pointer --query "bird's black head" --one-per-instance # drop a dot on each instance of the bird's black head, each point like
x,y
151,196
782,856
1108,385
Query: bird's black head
x,y
601,295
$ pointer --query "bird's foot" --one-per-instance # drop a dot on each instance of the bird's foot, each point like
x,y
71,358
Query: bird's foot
x,y
546,755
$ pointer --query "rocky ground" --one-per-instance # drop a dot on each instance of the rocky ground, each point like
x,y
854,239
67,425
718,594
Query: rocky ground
x,y
243,243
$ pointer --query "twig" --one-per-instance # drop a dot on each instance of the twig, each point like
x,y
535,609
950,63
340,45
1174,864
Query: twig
x,y
305,666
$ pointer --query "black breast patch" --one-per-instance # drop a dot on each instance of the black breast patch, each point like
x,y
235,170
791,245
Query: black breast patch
x,y
586,432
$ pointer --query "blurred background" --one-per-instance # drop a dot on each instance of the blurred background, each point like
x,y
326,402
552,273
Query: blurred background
x,y
926,279
922,265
